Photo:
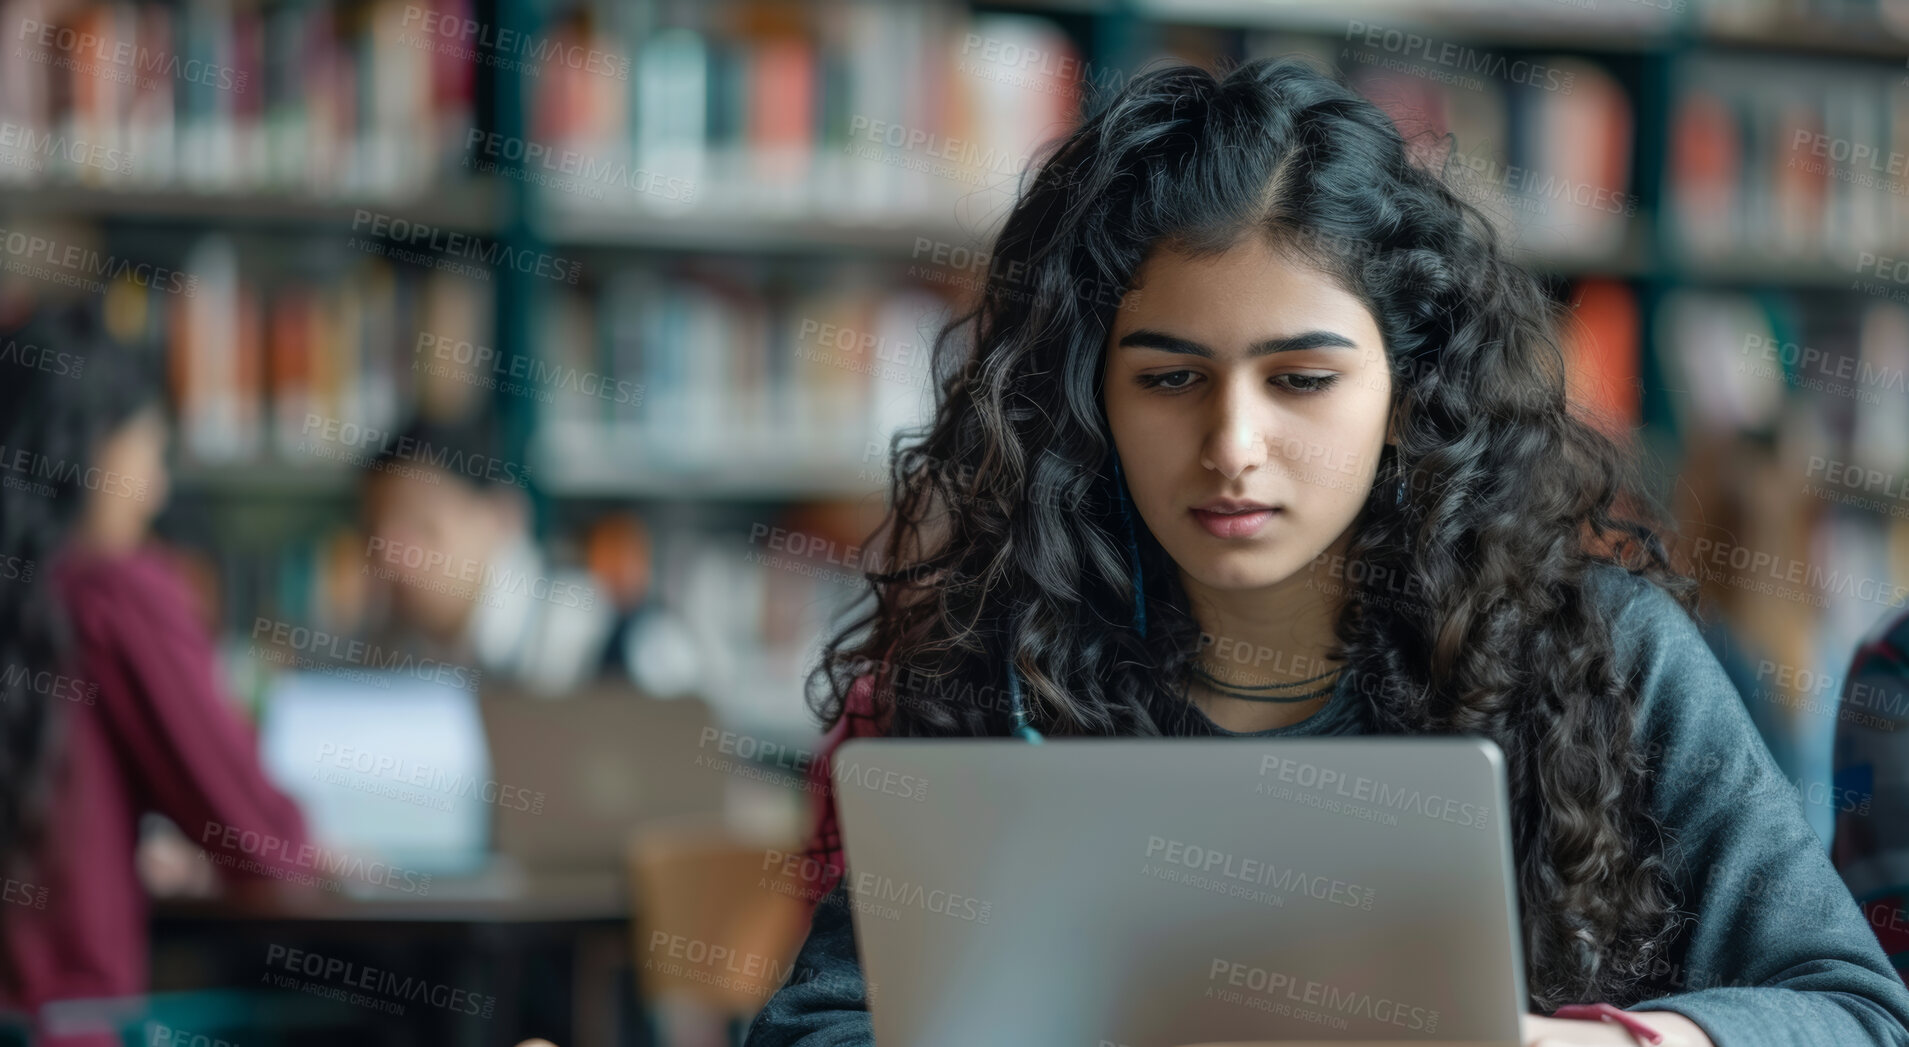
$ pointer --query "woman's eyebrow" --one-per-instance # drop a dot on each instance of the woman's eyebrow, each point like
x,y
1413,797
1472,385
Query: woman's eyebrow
x,y
1147,338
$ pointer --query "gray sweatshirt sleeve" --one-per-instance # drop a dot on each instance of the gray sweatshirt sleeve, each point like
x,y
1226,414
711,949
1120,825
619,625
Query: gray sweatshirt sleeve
x,y
824,1003
1776,953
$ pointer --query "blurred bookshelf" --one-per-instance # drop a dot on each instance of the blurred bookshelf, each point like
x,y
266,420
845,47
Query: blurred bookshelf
x,y
750,216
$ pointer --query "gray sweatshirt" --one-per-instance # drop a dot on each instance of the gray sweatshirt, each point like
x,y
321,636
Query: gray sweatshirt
x,y
1775,952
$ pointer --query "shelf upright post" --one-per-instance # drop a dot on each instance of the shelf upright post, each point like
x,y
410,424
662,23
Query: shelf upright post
x,y
1663,269
1121,38
516,302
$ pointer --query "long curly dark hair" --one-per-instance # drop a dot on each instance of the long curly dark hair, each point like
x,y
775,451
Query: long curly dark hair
x,y
65,387
1466,607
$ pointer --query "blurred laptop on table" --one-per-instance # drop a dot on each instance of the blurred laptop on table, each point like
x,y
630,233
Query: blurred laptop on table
x,y
500,797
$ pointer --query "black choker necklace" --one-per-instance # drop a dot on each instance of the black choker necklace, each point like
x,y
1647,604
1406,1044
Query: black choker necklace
x,y
1266,692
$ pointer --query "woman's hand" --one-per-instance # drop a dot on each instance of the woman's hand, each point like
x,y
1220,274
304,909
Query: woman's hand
x,y
172,866
1679,1031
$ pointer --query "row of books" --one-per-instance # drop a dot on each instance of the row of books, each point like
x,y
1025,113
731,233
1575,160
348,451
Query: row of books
x,y
373,99
697,372
689,370
755,381
1773,167
849,108
1542,145
1833,377
858,110
1801,164
853,110
312,369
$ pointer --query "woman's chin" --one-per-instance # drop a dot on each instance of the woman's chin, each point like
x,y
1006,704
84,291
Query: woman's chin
x,y
1242,571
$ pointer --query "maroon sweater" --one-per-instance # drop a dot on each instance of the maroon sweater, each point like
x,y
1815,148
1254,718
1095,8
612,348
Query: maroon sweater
x,y
147,728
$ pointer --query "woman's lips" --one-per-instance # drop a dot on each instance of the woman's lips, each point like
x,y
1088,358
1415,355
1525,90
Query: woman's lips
x,y
1233,525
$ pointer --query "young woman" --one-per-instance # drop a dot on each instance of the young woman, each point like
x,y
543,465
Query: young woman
x,y
1244,377
110,703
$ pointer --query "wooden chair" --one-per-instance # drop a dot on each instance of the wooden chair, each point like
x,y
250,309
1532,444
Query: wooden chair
x,y
717,925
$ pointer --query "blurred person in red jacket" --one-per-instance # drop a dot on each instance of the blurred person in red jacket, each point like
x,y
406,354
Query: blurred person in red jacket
x,y
111,701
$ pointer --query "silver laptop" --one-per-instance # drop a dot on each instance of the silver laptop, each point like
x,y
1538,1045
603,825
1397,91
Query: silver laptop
x,y
1159,892
587,770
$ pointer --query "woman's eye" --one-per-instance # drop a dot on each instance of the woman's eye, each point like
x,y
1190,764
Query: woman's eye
x,y
1307,383
1165,381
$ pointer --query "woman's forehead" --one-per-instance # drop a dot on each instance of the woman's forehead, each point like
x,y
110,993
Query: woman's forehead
x,y
1240,297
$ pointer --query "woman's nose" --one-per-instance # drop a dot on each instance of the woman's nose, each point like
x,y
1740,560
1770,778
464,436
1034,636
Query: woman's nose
x,y
1237,436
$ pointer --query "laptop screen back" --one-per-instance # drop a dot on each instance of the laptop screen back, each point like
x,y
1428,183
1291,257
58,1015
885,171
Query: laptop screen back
x,y
1157,892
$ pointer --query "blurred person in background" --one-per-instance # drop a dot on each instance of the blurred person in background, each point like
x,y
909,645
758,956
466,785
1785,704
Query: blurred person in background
x,y
448,533
1871,845
109,689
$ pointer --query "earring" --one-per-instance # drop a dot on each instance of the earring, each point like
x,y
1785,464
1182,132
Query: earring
x,y
1019,705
